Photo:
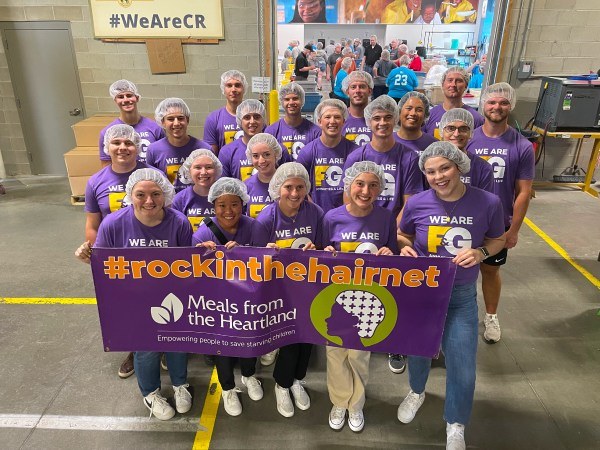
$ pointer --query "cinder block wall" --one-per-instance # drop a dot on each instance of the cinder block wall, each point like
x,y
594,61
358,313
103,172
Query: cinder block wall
x,y
102,63
564,39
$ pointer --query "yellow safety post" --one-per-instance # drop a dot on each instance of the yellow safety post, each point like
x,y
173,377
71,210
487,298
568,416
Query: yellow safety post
x,y
273,106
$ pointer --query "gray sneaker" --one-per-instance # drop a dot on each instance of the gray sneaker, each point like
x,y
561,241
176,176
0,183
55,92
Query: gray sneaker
x,y
455,436
492,333
183,398
409,406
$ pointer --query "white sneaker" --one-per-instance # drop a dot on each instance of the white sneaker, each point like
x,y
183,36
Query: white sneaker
x,y
158,406
183,398
231,402
409,406
301,398
285,407
269,358
455,436
255,390
337,417
356,421
492,331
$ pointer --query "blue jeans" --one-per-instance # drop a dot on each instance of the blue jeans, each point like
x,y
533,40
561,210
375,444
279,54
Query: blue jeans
x,y
147,370
459,343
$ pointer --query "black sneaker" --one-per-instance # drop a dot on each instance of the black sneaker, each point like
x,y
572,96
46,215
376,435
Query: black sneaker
x,y
396,363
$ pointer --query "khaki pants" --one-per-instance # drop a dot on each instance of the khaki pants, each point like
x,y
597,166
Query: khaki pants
x,y
347,377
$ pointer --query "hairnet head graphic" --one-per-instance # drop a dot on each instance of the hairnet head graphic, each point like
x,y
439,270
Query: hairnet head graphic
x,y
366,307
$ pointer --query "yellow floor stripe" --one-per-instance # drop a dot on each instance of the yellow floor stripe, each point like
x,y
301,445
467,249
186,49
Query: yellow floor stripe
x,y
47,301
558,249
209,414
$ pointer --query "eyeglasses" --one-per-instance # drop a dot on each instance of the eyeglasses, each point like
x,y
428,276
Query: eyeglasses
x,y
462,130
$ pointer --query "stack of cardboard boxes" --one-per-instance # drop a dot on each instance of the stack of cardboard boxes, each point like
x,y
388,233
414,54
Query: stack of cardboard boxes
x,y
84,160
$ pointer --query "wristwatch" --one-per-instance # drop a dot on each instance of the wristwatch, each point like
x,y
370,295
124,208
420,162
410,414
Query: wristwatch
x,y
485,252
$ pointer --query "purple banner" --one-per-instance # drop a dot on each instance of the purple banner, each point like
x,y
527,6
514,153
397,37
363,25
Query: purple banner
x,y
248,301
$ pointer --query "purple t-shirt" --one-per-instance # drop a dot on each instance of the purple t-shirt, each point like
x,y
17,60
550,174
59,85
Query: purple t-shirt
x,y
259,196
168,158
148,130
350,234
123,229
295,232
249,232
432,126
221,128
402,174
511,157
480,176
237,165
356,130
195,207
294,138
105,190
443,228
325,167
417,145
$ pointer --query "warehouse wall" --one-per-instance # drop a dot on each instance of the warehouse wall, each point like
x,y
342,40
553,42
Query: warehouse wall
x,y
102,63
563,39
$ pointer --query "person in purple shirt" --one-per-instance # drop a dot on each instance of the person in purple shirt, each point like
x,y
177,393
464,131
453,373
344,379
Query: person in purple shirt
x,y
149,222
402,175
512,159
358,85
454,85
263,151
456,126
292,222
171,151
229,227
126,96
202,168
293,131
324,158
220,127
359,226
464,223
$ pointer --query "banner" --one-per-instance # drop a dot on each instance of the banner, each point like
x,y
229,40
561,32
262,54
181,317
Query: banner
x,y
418,12
248,301
157,18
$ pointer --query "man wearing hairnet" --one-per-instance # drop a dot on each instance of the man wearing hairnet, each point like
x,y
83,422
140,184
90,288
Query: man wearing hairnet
x,y
358,86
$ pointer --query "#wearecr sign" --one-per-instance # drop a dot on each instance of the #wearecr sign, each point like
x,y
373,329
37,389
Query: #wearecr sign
x,y
248,301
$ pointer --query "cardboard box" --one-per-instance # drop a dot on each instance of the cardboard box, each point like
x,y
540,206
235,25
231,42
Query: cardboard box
x,y
82,161
78,185
87,132
436,96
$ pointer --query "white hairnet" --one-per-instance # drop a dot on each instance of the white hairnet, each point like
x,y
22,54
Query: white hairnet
x,y
228,186
249,106
346,63
457,115
167,105
331,103
266,139
361,167
120,86
404,60
187,164
122,131
357,75
385,55
459,70
284,172
153,175
446,150
291,88
418,95
233,74
503,90
382,103
403,48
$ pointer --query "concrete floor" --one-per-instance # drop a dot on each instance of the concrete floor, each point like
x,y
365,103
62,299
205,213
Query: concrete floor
x,y
538,388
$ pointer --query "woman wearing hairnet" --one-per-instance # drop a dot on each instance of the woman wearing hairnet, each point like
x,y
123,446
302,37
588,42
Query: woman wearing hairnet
x,y
470,227
169,153
149,219
105,190
375,231
292,222
456,126
229,227
126,96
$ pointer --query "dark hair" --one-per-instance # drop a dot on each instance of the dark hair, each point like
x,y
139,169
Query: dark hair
x,y
320,18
